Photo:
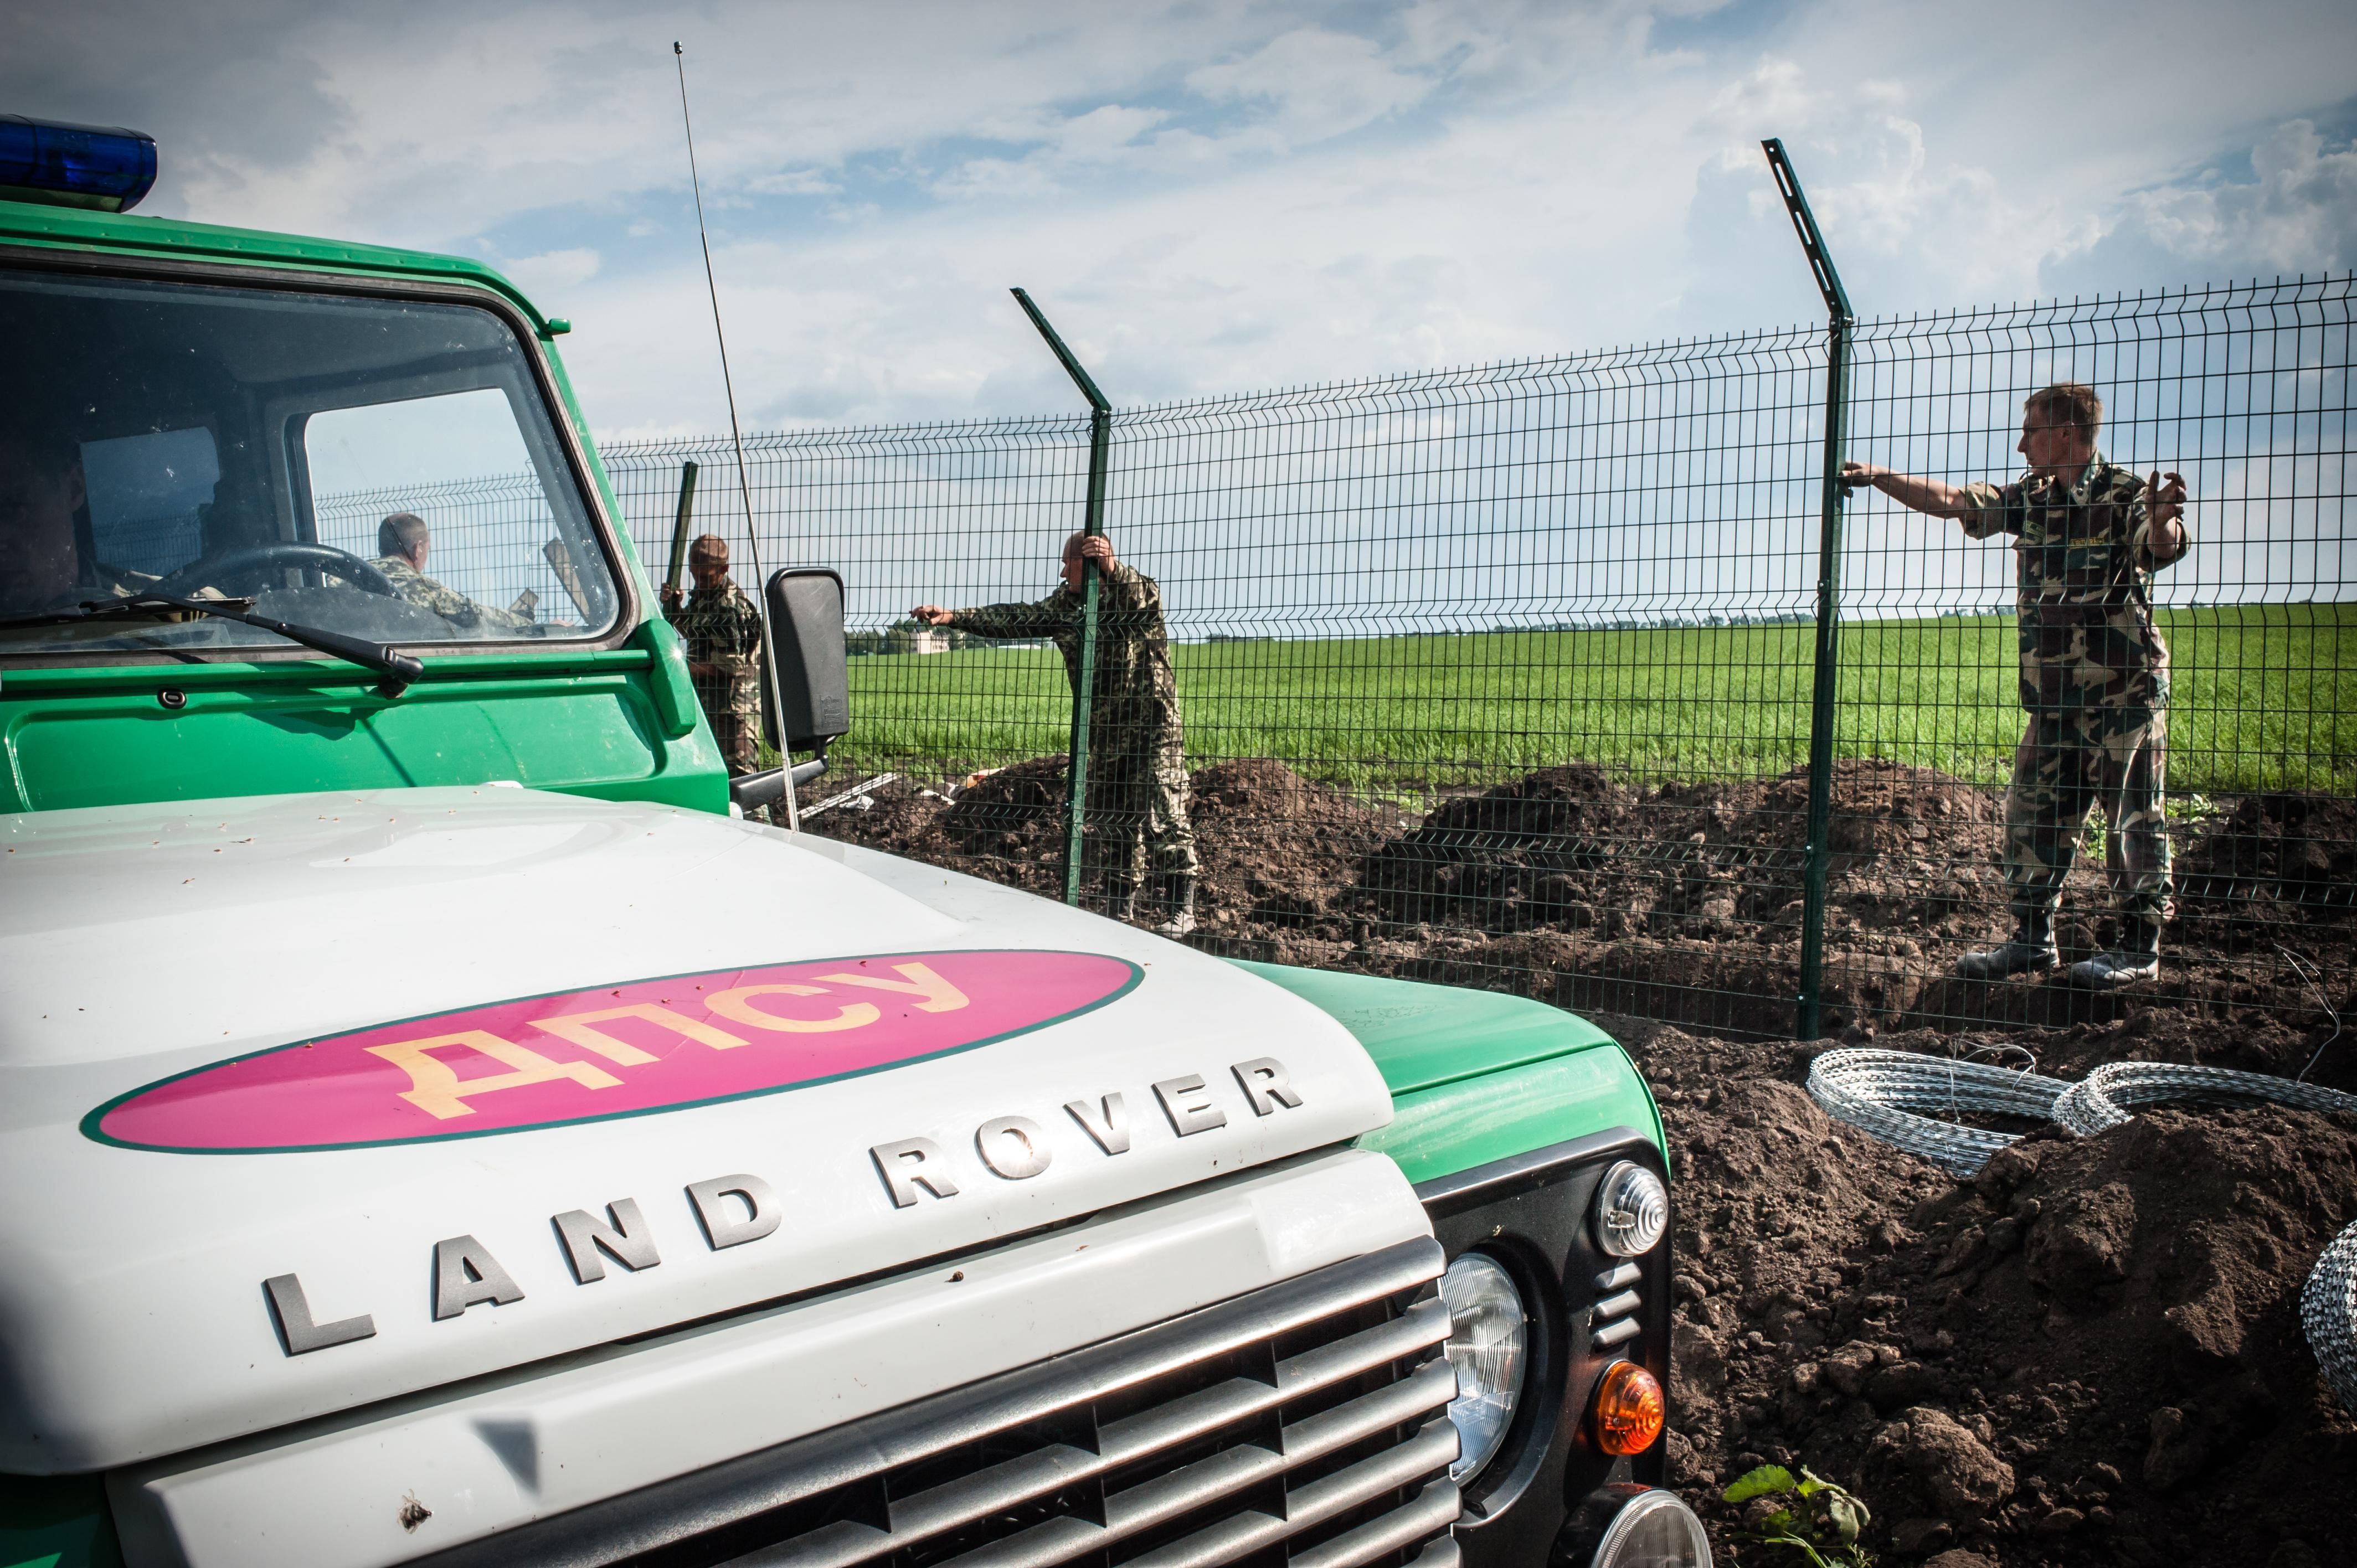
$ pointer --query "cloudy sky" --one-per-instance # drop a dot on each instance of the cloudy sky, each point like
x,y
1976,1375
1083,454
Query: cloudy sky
x,y
1214,196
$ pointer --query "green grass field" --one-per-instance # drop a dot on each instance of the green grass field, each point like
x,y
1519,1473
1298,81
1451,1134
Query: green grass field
x,y
2265,698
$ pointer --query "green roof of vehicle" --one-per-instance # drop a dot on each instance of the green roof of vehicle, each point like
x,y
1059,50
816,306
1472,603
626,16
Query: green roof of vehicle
x,y
38,223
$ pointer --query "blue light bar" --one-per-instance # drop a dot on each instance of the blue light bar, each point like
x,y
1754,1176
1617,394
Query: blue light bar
x,y
80,165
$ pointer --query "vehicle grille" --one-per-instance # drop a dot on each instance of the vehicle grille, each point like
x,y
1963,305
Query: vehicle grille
x,y
1301,1426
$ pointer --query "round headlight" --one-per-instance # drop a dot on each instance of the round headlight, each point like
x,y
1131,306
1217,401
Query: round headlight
x,y
1486,1340
1653,1530
1632,1210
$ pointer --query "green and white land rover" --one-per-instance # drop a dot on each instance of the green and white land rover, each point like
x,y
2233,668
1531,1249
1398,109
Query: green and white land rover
x,y
435,1127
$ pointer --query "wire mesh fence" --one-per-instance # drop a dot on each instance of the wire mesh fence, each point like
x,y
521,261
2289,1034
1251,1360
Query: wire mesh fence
x,y
1503,676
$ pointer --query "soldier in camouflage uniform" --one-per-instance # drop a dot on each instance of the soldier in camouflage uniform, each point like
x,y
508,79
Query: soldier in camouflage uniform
x,y
2089,535
402,542
723,633
1138,763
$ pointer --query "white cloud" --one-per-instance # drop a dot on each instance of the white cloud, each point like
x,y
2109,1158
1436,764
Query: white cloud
x,y
552,270
1215,194
1312,84
792,182
2299,213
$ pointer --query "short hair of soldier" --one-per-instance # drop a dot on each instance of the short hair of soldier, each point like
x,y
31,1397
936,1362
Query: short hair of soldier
x,y
402,533
709,547
2068,403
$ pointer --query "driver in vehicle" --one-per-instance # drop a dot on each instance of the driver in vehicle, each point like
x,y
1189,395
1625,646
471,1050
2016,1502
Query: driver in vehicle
x,y
402,541
41,492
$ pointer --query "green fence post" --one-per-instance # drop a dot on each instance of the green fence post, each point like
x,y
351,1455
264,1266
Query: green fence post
x,y
1808,1025
682,518
1076,771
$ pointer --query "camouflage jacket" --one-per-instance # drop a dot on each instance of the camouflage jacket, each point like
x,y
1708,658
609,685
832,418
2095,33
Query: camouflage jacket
x,y
2085,557
721,629
1136,698
447,602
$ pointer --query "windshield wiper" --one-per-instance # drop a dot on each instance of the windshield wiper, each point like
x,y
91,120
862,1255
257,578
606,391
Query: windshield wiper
x,y
398,669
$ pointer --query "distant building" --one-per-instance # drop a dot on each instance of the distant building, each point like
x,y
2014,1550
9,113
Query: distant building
x,y
929,642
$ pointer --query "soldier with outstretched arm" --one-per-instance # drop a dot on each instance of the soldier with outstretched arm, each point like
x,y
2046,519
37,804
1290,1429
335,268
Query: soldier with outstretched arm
x,y
2088,536
1138,762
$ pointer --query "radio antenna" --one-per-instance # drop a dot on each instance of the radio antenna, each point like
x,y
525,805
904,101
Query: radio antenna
x,y
744,486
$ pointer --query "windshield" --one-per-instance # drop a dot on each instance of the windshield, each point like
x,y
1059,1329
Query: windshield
x,y
381,467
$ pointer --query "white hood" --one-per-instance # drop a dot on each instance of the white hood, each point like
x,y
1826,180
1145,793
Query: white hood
x,y
141,944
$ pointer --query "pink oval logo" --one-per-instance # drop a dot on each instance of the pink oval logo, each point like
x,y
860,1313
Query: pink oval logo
x,y
616,1050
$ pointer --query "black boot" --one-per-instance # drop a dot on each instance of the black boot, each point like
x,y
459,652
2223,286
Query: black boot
x,y
2136,958
2030,951
1181,905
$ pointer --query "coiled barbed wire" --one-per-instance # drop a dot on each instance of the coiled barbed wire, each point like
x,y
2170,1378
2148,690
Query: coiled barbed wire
x,y
2093,1103
2328,1313
1879,1092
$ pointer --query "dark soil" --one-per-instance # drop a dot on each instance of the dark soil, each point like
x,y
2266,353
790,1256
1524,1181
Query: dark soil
x,y
2272,864
1683,903
1012,822
1533,852
2090,1355
1276,848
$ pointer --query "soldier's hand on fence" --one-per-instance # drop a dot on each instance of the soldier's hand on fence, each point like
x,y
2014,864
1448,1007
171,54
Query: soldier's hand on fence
x,y
670,597
932,614
1097,548
2164,504
1853,474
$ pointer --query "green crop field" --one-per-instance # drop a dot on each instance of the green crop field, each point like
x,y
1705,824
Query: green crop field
x,y
2266,697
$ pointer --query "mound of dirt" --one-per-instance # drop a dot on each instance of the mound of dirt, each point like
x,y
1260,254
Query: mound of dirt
x,y
1880,809
1278,848
2089,1355
902,821
2274,860
1521,854
1684,903
1721,860
1913,849
1008,826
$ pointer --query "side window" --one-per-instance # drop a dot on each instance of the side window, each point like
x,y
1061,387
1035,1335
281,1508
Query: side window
x,y
457,461
149,495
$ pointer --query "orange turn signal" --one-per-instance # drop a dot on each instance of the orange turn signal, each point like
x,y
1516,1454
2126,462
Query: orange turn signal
x,y
1629,1409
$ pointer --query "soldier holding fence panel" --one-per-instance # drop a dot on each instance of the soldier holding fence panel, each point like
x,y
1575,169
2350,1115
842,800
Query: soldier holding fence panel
x,y
2088,536
1138,762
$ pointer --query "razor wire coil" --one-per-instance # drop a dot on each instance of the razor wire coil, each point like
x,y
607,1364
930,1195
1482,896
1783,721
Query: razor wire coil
x,y
1883,1092
1880,1092
2096,1102
2328,1315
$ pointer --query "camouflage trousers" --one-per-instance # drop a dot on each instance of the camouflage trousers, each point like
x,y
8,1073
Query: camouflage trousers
x,y
2070,761
735,711
1138,814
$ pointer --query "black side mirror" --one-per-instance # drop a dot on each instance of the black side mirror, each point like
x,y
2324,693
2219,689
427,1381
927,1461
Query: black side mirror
x,y
806,695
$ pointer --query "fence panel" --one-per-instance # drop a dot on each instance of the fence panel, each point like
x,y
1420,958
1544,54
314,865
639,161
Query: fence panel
x,y
955,515
1502,676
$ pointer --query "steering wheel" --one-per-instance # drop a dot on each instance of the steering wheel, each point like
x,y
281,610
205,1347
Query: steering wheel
x,y
222,572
